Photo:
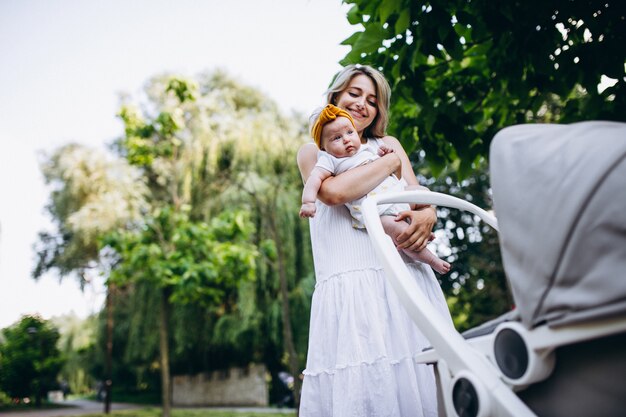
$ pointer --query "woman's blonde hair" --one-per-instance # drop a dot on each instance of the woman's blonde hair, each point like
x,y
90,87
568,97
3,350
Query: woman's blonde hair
x,y
378,127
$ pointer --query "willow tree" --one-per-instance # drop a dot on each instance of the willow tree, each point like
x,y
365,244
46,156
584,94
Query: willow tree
x,y
176,251
187,262
269,184
91,194
201,145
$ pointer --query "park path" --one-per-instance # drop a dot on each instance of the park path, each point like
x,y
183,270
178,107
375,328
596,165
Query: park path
x,y
82,407
74,408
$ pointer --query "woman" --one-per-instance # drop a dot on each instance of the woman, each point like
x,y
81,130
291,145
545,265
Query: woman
x,y
361,340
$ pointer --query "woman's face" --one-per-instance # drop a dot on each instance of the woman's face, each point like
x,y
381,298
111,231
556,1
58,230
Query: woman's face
x,y
359,99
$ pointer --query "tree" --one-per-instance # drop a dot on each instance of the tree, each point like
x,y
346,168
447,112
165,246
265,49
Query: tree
x,y
205,150
29,359
477,288
91,195
188,262
462,70
77,335
196,142
275,201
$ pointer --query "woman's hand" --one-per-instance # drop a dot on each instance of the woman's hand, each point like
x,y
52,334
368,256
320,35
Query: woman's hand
x,y
418,234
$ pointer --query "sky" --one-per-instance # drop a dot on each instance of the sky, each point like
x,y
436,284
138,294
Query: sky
x,y
64,64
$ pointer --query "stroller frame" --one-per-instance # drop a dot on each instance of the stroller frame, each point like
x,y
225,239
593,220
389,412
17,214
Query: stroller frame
x,y
477,376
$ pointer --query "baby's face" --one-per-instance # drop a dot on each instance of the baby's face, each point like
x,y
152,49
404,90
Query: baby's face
x,y
340,139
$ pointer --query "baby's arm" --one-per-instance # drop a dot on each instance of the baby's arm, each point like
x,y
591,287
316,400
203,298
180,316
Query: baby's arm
x,y
351,184
311,188
384,150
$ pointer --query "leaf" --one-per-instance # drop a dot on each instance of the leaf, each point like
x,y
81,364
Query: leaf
x,y
403,22
353,57
354,15
352,39
463,31
371,39
455,49
387,8
418,58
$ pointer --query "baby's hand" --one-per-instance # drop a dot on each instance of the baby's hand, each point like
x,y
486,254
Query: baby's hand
x,y
384,150
307,210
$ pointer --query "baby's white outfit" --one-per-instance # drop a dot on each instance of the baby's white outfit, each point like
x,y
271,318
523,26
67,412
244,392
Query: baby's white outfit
x,y
364,155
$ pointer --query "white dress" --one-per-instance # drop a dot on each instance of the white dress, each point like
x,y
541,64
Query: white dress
x,y
361,340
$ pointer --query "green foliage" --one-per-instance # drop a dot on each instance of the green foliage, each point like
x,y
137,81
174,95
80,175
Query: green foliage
x,y
215,160
198,262
232,153
462,70
182,89
476,288
77,335
92,194
29,358
135,368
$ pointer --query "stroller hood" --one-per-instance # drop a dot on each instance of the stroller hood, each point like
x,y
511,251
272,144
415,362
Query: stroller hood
x,y
559,195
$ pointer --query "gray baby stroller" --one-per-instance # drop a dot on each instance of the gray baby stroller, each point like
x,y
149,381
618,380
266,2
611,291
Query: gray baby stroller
x,y
559,193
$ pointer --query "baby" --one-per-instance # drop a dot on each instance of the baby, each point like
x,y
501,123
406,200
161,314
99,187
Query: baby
x,y
341,149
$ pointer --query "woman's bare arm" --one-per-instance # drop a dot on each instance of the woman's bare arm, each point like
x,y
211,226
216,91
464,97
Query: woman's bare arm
x,y
422,220
349,185
407,168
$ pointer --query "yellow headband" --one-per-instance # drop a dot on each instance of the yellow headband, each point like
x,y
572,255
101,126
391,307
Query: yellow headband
x,y
328,114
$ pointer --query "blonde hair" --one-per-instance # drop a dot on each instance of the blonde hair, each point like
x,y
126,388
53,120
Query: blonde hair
x,y
340,83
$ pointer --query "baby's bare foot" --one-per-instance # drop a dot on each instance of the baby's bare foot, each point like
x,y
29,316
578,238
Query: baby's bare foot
x,y
440,266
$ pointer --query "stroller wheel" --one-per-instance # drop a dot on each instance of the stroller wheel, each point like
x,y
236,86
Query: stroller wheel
x,y
520,364
469,397
465,398
511,353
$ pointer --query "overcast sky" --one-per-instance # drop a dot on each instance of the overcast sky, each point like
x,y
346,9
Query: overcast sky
x,y
63,64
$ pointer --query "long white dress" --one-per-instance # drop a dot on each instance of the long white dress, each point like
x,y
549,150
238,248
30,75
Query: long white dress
x,y
361,340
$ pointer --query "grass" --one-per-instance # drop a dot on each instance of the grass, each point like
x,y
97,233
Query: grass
x,y
185,412
144,398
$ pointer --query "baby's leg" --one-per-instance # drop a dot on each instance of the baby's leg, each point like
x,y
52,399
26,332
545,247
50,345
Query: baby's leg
x,y
394,228
429,258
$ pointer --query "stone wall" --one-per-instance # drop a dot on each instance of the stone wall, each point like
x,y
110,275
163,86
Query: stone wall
x,y
234,387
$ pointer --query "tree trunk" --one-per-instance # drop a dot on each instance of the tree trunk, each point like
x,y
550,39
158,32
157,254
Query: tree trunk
x,y
38,397
166,391
294,368
108,382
